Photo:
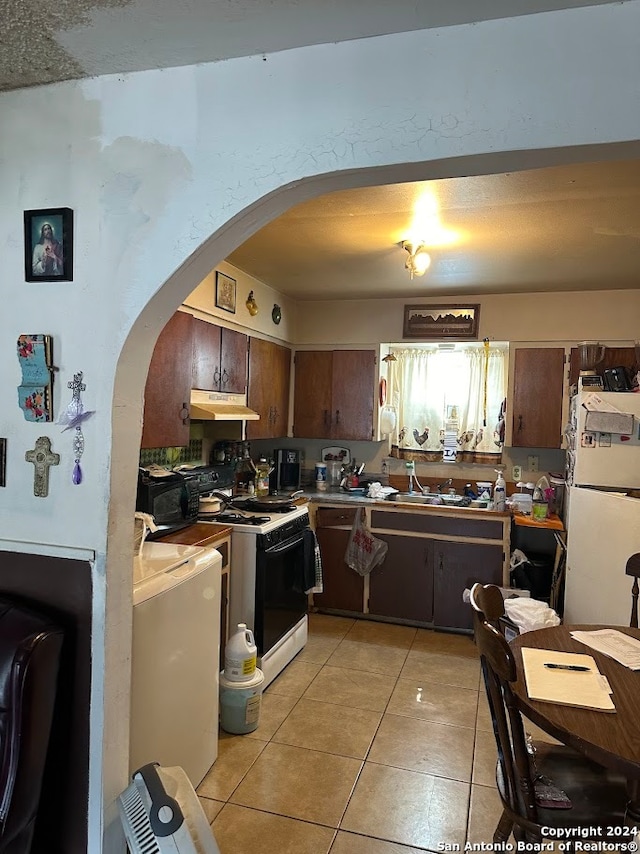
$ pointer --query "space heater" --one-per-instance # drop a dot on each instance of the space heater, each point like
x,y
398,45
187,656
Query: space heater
x,y
161,814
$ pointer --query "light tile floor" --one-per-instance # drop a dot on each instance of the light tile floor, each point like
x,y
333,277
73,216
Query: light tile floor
x,y
376,739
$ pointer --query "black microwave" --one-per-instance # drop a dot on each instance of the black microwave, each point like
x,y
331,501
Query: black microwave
x,y
172,499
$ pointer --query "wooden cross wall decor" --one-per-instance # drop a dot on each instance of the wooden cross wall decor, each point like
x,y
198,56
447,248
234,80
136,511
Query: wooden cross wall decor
x,y
42,458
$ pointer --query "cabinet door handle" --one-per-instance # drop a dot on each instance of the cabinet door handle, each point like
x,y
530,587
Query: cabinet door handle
x,y
275,414
519,423
326,417
184,413
337,416
216,376
225,377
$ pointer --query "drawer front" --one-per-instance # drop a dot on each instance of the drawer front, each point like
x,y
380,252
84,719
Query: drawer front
x,y
431,523
333,517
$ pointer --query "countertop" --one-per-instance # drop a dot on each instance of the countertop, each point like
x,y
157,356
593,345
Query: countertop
x,y
336,495
198,534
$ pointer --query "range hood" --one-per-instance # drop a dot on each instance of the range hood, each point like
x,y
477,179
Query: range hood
x,y
215,406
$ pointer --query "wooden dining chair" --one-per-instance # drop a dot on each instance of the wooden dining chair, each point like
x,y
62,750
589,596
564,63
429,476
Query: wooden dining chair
x,y
633,568
540,785
556,594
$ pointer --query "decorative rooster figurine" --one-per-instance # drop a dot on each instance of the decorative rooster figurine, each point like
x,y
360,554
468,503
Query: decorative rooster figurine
x,y
421,438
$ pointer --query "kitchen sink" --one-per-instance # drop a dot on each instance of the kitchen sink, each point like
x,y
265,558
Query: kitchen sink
x,y
412,498
434,500
429,498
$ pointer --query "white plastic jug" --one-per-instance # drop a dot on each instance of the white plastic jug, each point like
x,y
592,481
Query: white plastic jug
x,y
240,655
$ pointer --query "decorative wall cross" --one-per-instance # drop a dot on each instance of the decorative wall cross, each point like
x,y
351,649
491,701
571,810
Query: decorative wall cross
x,y
42,458
77,386
73,416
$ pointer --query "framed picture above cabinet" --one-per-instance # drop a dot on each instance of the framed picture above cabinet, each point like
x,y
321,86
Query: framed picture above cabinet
x,y
225,292
435,322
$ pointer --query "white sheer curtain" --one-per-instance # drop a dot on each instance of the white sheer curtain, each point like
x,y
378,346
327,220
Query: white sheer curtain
x,y
429,385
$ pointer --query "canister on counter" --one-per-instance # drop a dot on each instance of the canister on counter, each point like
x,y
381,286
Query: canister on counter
x,y
321,476
540,510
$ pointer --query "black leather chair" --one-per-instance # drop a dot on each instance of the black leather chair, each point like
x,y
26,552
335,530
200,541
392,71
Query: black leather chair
x,y
30,645
540,785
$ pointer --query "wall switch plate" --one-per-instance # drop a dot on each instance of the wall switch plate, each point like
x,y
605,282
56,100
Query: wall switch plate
x,y
533,462
516,473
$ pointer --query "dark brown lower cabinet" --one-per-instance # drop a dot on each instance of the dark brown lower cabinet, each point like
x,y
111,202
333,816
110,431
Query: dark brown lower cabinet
x,y
343,588
402,586
457,567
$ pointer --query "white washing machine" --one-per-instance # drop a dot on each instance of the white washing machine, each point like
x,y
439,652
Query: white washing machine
x,y
175,657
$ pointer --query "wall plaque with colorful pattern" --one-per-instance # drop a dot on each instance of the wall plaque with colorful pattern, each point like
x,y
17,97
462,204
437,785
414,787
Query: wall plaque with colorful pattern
x,y
35,394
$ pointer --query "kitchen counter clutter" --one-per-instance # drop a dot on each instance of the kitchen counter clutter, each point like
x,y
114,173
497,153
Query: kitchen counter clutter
x,y
333,495
434,554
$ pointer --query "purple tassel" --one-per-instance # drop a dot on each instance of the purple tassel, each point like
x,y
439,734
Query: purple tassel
x,y
77,473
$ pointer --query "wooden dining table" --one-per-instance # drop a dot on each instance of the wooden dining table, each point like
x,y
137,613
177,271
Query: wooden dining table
x,y
610,738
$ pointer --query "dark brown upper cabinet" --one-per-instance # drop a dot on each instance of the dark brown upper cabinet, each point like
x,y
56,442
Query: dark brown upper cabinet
x,y
537,397
334,394
219,358
269,383
168,388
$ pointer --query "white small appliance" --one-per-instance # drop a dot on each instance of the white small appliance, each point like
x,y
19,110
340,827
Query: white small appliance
x,y
175,656
603,521
160,812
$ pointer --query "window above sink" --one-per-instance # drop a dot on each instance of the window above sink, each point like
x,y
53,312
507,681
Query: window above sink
x,y
450,401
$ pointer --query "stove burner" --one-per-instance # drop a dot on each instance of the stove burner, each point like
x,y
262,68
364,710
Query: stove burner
x,y
252,504
237,519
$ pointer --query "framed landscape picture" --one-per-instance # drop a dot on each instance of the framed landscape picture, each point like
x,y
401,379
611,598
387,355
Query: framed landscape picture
x,y
225,292
48,245
435,322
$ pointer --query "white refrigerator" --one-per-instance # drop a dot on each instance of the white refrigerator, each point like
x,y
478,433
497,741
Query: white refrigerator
x,y
603,522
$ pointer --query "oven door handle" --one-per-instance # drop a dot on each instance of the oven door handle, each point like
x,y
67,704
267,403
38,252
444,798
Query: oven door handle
x,y
281,548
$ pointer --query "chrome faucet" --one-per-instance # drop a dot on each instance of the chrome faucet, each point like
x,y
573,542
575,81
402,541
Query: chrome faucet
x,y
447,482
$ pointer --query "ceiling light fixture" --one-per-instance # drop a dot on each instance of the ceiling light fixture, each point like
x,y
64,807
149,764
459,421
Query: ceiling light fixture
x,y
419,259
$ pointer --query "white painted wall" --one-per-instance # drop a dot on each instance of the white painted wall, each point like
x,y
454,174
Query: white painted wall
x,y
607,316
168,171
201,302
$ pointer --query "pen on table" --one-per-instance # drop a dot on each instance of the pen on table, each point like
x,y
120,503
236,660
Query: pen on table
x,y
566,666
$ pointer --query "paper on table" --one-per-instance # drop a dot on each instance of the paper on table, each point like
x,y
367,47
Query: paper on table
x,y
587,689
613,643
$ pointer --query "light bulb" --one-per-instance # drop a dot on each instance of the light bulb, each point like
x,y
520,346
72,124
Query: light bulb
x,y
418,261
421,261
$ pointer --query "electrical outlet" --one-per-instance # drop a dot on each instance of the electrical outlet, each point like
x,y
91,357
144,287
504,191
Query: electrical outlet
x,y
533,462
516,473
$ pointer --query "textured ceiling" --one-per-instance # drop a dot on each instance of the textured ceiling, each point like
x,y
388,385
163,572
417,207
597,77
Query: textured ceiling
x,y
44,43
563,228
555,229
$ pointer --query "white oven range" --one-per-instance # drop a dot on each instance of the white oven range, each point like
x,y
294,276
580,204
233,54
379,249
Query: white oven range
x,y
265,590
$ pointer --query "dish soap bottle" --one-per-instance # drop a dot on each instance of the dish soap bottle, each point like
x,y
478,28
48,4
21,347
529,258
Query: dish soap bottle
x,y
500,493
